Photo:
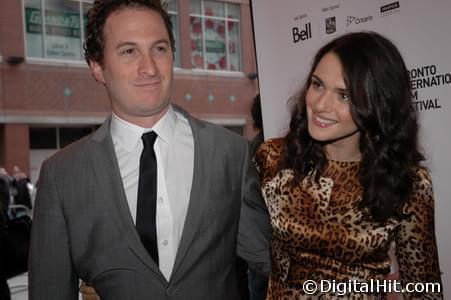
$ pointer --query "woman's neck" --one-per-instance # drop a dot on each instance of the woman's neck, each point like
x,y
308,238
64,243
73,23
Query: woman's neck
x,y
339,153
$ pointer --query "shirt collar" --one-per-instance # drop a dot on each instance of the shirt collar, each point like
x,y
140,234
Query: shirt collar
x,y
165,127
128,135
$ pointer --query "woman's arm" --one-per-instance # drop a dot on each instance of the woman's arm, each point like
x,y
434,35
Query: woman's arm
x,y
416,246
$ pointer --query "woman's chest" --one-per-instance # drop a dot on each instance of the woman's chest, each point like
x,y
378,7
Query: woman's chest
x,y
323,218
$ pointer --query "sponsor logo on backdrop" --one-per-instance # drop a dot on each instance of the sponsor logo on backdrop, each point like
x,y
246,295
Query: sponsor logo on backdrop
x,y
331,25
426,77
330,8
300,17
389,9
356,20
302,33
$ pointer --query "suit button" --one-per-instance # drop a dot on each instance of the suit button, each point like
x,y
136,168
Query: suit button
x,y
171,291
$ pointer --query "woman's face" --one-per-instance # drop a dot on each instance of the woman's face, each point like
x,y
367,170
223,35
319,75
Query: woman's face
x,y
328,110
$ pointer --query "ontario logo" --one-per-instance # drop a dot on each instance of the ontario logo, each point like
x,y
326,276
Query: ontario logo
x,y
356,20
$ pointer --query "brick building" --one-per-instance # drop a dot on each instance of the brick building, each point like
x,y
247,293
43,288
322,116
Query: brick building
x,y
48,97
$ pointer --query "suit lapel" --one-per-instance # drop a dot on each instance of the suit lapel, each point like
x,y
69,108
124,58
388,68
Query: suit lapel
x,y
106,169
203,153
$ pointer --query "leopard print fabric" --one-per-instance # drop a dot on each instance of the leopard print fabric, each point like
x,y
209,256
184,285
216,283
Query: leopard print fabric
x,y
318,232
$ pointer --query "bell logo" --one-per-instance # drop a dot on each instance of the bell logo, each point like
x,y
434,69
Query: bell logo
x,y
302,35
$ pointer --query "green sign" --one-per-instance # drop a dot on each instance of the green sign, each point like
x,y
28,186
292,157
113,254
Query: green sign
x,y
62,34
57,23
215,46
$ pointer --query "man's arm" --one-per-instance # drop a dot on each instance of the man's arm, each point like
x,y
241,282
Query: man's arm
x,y
254,228
51,275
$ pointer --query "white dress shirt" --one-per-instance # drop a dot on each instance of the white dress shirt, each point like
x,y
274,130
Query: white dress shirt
x,y
174,150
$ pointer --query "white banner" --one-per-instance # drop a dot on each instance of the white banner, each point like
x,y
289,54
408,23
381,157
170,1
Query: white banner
x,y
289,32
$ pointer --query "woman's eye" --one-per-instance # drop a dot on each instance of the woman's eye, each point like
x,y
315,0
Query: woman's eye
x,y
344,96
315,84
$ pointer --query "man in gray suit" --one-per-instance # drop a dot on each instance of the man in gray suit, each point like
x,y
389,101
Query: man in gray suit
x,y
207,200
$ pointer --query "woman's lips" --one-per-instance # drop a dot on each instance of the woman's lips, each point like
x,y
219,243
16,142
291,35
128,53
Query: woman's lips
x,y
322,122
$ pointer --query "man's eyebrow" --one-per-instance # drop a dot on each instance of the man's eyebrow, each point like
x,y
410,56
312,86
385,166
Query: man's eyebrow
x,y
128,43
123,44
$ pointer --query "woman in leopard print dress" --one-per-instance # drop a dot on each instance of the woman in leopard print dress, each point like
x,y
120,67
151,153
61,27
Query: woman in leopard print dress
x,y
345,184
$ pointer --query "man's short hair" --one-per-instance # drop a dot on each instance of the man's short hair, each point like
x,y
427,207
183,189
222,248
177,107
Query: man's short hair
x,y
102,9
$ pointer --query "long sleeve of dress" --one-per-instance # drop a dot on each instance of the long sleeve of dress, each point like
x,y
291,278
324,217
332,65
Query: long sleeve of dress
x,y
416,248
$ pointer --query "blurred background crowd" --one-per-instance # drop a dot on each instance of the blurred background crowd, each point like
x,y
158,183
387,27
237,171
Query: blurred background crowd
x,y
16,203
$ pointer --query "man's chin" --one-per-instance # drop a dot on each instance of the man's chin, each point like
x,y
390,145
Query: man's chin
x,y
154,111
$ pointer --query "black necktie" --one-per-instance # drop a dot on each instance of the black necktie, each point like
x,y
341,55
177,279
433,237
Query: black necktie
x,y
147,196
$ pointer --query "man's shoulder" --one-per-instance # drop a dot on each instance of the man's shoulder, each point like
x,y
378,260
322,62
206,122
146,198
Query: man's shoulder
x,y
223,132
70,152
79,148
213,130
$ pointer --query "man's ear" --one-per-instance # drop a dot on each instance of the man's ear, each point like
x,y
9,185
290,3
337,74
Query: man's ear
x,y
97,71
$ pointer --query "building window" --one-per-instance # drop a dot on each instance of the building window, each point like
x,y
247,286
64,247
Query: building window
x,y
45,141
57,137
215,35
61,37
171,7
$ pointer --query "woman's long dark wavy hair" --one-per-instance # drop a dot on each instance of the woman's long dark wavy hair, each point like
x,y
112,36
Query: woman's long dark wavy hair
x,y
378,83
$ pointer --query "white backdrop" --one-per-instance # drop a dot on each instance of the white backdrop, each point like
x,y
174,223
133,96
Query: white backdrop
x,y
288,33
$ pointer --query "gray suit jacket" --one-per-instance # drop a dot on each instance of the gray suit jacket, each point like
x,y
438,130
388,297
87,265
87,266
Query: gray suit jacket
x,y
82,227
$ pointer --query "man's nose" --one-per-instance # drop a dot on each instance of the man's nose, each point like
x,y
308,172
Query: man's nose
x,y
147,65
